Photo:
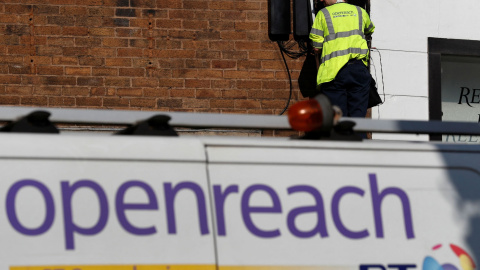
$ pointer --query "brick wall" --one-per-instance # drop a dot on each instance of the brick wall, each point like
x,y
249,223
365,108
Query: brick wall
x,y
168,55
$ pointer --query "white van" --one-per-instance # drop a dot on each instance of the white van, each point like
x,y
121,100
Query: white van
x,y
93,201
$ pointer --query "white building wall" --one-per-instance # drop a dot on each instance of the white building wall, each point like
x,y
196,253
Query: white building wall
x,y
401,39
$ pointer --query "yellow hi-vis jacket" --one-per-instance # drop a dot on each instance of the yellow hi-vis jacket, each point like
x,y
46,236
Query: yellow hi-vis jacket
x,y
339,30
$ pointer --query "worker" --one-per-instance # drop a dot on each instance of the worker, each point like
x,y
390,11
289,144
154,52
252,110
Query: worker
x,y
339,33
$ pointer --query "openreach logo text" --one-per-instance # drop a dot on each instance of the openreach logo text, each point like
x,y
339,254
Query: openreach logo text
x,y
63,208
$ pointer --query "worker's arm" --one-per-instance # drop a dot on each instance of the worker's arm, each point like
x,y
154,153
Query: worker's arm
x,y
317,33
369,26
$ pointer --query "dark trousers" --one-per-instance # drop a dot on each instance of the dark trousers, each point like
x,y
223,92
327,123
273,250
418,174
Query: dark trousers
x,y
350,89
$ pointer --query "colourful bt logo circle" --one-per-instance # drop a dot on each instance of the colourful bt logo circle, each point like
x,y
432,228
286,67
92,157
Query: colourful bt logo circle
x,y
466,262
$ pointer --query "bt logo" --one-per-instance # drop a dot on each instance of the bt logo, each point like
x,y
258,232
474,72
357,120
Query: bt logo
x,y
429,263
466,262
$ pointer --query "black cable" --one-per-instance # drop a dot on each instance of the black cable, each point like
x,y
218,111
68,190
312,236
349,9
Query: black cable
x,y
381,70
289,78
286,49
376,79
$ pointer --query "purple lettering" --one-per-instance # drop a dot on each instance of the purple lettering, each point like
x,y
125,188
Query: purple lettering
x,y
318,208
377,199
49,206
121,207
170,194
220,205
247,210
70,227
336,213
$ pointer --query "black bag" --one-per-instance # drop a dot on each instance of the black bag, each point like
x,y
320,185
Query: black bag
x,y
374,98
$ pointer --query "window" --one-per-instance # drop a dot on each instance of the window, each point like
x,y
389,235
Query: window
x,y
454,84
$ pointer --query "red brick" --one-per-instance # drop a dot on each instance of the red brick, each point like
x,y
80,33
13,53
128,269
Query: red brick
x,y
224,64
235,93
61,41
79,71
143,102
17,9
197,83
11,59
169,103
146,82
116,81
247,104
34,101
48,91
250,65
274,84
49,51
99,91
75,91
102,31
61,101
195,4
18,69
73,10
235,74
90,81
9,100
221,103
130,52
195,103
208,93
155,92
3,69
115,42
269,75
91,61
130,92
118,62
50,70
21,50
174,83
223,84
104,71
182,93
131,72
74,31
173,4
88,101
19,90
9,79
169,24
88,42
260,94
59,80
58,60
116,102
260,55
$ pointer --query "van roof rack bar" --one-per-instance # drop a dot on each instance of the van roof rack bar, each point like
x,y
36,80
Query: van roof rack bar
x,y
240,121
126,117
415,126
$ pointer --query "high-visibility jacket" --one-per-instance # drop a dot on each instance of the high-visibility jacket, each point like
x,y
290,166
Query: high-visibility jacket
x,y
339,30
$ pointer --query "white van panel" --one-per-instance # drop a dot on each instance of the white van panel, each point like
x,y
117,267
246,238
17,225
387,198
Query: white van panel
x,y
431,198
74,203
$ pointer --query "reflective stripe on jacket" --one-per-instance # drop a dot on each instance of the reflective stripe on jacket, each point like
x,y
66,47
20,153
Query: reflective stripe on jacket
x,y
339,30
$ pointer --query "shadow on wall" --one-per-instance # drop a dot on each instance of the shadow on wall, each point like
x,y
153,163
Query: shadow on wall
x,y
464,174
307,80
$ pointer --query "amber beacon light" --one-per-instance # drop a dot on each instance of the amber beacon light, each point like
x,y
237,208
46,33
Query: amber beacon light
x,y
313,114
